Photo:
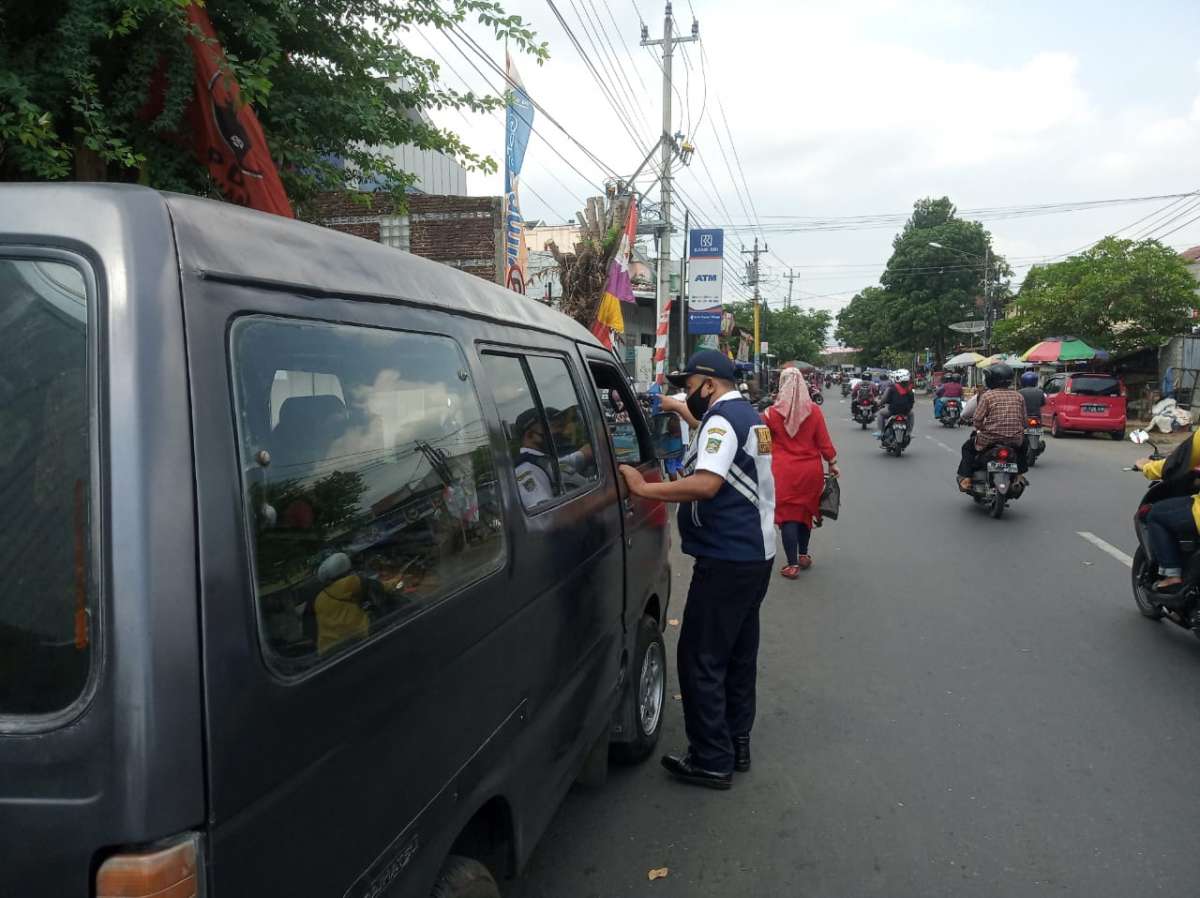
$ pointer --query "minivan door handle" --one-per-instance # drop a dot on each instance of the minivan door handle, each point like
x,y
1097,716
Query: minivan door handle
x,y
627,504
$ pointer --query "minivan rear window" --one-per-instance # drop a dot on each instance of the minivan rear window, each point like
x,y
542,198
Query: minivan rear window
x,y
45,484
369,480
1095,385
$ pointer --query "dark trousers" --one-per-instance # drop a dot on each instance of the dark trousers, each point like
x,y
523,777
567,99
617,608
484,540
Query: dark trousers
x,y
795,539
718,656
1170,521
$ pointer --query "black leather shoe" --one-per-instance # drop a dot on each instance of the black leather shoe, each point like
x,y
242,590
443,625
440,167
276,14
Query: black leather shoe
x,y
683,769
741,753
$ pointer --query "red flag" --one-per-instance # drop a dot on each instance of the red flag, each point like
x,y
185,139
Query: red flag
x,y
601,332
229,139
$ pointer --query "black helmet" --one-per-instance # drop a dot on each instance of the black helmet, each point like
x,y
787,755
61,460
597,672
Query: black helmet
x,y
998,376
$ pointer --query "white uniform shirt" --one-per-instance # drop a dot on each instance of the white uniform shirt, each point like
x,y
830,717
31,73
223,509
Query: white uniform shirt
x,y
533,483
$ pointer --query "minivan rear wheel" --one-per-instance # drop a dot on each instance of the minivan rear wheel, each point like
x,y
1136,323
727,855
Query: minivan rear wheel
x,y
646,692
464,877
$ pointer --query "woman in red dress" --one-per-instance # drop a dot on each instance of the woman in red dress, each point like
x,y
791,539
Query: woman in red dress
x,y
800,441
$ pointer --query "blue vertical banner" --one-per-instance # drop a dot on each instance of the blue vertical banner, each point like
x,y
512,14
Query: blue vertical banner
x,y
706,252
518,122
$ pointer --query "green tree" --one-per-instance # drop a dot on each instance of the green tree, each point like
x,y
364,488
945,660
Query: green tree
x,y
1120,295
98,89
792,333
863,324
931,287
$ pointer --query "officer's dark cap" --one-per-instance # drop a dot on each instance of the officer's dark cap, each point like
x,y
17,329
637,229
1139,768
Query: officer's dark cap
x,y
708,362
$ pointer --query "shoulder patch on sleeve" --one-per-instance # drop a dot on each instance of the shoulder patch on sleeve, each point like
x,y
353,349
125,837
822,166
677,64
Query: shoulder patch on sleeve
x,y
763,434
719,431
713,446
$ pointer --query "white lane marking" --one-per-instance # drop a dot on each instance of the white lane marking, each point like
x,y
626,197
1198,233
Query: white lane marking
x,y
1107,548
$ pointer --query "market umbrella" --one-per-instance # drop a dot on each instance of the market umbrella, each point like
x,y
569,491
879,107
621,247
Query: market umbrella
x,y
803,366
1011,360
963,360
1063,349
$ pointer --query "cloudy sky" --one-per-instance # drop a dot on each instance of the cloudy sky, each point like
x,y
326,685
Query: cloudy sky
x,y
860,107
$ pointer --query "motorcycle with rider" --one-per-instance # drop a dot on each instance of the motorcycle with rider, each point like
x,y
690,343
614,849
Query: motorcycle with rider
x,y
896,418
1034,398
1166,565
992,469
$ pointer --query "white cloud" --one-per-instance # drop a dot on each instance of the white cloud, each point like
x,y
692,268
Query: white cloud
x,y
834,115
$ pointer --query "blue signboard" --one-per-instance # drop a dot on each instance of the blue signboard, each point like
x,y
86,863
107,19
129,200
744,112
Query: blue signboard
x,y
706,243
707,321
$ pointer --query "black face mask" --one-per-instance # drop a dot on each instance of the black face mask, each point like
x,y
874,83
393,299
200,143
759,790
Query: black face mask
x,y
698,404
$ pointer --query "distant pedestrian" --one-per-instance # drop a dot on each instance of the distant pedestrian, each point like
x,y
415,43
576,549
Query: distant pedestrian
x,y
799,440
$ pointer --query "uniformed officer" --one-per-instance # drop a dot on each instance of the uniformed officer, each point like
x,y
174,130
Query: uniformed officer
x,y
726,522
534,466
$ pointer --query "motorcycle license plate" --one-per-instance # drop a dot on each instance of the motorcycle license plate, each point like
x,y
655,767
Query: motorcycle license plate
x,y
900,428
1033,432
1002,467
1097,409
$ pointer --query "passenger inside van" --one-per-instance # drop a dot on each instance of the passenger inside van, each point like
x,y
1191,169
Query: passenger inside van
x,y
339,606
534,468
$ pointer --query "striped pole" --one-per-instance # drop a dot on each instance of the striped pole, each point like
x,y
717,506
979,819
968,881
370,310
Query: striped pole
x,y
660,344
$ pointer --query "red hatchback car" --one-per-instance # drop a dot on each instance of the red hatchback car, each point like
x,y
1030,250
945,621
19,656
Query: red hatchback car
x,y
1085,402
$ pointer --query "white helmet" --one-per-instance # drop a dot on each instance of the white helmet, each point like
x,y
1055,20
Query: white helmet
x,y
901,375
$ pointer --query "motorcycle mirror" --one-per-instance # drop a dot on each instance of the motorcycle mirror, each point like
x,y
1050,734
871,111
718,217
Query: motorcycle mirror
x,y
1139,437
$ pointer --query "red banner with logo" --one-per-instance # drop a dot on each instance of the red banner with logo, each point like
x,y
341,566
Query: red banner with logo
x,y
228,137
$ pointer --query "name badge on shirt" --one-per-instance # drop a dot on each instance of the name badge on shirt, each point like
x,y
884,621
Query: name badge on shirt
x,y
763,435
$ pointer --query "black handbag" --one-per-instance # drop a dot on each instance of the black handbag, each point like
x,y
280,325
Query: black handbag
x,y
831,499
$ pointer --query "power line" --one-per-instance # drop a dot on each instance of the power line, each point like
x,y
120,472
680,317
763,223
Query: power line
x,y
623,117
620,70
556,151
496,116
479,51
621,34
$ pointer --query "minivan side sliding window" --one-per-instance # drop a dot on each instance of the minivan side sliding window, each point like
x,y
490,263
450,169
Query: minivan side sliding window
x,y
545,425
368,480
46,551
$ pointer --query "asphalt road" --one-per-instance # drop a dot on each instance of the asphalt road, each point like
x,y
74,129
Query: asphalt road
x,y
948,706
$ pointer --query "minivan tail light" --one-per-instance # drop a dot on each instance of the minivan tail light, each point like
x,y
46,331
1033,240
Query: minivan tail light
x,y
168,872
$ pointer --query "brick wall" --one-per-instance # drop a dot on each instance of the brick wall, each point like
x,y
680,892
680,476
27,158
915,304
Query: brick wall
x,y
461,231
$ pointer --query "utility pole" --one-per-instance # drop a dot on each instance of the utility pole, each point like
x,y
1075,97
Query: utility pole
x,y
683,285
752,281
667,146
791,277
987,304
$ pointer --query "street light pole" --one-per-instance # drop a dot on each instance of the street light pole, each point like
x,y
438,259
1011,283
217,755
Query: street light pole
x,y
987,294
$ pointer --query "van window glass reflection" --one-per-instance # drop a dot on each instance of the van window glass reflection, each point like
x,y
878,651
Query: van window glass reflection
x,y
378,492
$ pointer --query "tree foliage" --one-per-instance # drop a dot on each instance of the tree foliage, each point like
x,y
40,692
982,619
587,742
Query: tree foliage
x,y
1120,295
925,288
99,88
792,333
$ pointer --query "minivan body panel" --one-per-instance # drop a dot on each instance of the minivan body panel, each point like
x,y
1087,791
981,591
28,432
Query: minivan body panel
x,y
357,776
126,765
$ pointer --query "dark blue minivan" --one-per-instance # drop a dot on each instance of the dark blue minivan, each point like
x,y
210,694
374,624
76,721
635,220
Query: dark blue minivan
x,y
319,577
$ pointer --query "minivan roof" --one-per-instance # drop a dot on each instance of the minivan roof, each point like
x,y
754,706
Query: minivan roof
x,y
224,241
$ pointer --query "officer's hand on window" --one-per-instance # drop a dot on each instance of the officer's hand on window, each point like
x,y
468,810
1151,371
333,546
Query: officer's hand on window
x,y
633,478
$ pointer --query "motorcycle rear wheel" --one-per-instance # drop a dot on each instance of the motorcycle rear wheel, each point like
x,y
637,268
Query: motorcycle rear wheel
x,y
996,509
1140,575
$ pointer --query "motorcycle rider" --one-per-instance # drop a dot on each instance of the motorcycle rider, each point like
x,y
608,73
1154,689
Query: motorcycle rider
x,y
1171,521
999,420
949,388
1032,394
896,399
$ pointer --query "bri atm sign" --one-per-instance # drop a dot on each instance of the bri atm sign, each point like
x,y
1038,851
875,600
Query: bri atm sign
x,y
706,248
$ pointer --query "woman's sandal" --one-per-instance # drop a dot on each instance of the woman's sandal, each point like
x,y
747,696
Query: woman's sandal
x,y
805,562
791,571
